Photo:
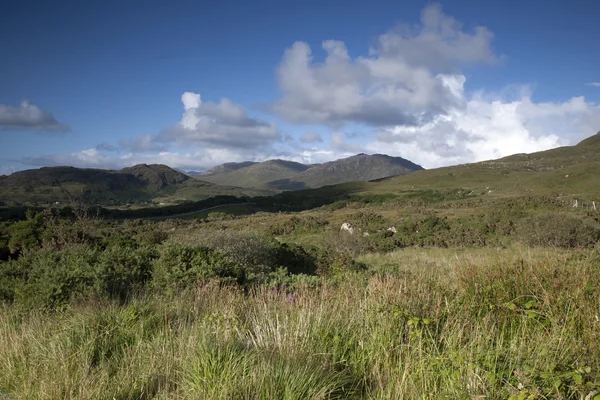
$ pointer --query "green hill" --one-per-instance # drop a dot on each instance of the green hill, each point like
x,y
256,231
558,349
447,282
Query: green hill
x,y
570,172
252,175
140,183
287,175
361,167
227,167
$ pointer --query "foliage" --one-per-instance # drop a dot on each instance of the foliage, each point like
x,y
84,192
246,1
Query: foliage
x,y
559,230
518,323
180,266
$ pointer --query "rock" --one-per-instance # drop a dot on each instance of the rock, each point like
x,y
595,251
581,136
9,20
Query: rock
x,y
347,227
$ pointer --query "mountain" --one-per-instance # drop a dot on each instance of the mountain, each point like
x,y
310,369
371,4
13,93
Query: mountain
x,y
139,183
227,167
256,175
288,175
361,167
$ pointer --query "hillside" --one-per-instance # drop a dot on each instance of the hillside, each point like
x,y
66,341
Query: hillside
x,y
287,175
140,183
361,167
227,167
569,172
252,175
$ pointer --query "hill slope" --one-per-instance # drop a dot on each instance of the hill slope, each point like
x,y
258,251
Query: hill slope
x,y
361,167
133,184
227,167
568,172
287,175
253,175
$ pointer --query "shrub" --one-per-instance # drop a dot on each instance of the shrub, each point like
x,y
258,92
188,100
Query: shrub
x,y
180,266
121,270
49,279
24,235
249,251
558,230
296,259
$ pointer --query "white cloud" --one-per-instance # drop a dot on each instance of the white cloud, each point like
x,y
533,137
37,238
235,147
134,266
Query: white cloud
x,y
30,117
224,124
490,127
439,43
397,84
594,84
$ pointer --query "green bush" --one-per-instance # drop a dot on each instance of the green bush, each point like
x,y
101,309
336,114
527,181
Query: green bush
x,y
121,270
558,230
182,266
47,278
24,235
250,251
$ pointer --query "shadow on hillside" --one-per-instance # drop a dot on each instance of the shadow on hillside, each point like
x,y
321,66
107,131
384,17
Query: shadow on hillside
x,y
287,184
297,200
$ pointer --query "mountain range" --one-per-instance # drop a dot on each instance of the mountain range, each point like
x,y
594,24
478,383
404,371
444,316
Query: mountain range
x,y
160,183
567,172
140,183
287,175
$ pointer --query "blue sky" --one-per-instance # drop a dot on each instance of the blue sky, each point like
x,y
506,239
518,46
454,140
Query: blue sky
x,y
194,84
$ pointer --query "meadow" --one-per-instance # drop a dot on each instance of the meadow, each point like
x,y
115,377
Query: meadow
x,y
470,298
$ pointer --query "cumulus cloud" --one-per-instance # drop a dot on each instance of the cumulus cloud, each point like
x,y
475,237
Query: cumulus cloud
x,y
223,124
311,137
30,117
406,97
490,127
399,83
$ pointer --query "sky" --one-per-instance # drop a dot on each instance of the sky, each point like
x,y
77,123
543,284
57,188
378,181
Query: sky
x,y
110,84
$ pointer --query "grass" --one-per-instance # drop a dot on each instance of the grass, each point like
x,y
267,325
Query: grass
x,y
229,210
420,323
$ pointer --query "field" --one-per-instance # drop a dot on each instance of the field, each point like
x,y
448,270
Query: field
x,y
514,323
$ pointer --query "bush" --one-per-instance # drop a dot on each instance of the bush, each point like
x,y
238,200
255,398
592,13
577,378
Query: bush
x,y
558,230
181,266
121,270
250,251
48,279
296,259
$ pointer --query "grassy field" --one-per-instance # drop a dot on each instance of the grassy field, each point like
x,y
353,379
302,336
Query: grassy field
x,y
438,323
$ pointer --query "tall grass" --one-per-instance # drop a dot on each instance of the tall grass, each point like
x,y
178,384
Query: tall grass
x,y
491,324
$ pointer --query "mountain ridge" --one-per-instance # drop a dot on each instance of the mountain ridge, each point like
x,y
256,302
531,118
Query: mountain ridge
x,y
138,183
289,175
